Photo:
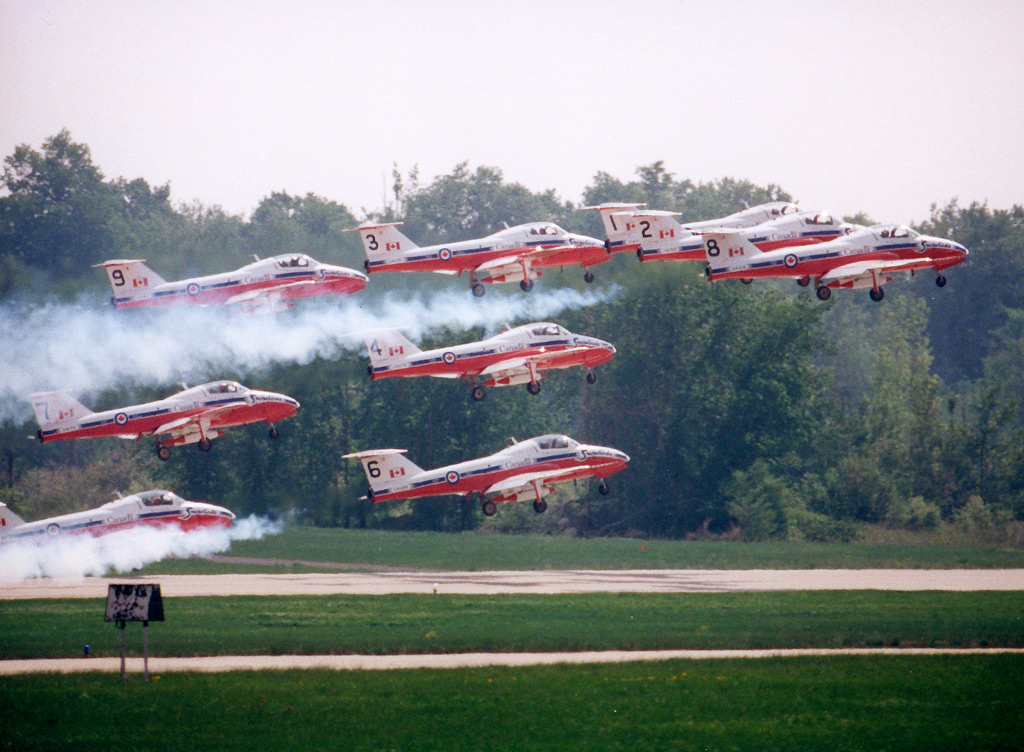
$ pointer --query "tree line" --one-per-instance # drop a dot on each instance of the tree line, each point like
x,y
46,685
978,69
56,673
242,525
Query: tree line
x,y
754,411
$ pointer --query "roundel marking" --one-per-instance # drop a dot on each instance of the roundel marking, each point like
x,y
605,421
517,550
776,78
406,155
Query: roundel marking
x,y
452,477
121,419
448,357
193,288
445,254
53,529
790,260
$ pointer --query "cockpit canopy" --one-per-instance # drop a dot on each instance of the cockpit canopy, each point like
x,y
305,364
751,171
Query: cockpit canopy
x,y
158,498
546,230
293,260
224,387
895,231
822,218
779,211
546,330
555,441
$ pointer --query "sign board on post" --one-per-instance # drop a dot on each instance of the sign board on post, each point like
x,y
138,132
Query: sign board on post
x,y
135,603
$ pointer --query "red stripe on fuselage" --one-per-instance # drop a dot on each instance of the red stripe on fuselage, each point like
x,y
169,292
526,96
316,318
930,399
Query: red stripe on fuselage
x,y
311,286
592,356
270,412
600,467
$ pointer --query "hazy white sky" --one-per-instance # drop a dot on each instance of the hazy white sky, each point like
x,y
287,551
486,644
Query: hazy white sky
x,y
880,106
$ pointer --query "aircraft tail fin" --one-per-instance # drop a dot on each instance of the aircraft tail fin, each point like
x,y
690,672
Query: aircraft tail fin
x,y
389,348
130,278
615,216
726,251
57,409
385,467
383,242
8,519
658,228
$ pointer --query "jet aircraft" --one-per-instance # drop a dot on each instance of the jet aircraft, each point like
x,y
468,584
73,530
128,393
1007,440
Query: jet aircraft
x,y
146,509
662,238
265,284
517,356
866,258
626,234
516,254
524,471
195,415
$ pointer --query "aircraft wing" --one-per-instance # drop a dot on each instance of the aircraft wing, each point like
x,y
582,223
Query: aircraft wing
x,y
541,362
859,269
179,425
256,301
523,480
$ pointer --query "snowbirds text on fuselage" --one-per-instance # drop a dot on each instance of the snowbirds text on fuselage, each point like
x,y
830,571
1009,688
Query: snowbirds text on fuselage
x,y
515,254
866,258
626,235
517,356
265,284
524,471
662,238
146,509
193,416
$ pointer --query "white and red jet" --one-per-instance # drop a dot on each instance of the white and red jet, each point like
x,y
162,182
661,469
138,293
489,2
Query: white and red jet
x,y
192,416
662,238
265,284
515,254
629,228
866,258
517,356
146,509
524,471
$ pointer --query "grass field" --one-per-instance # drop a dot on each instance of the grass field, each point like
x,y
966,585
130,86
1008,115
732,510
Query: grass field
x,y
834,704
475,551
521,623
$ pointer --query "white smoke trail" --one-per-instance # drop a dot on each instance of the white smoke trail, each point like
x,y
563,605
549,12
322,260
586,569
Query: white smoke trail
x,y
123,550
86,350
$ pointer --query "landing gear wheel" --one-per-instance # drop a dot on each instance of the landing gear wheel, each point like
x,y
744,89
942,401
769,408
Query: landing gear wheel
x,y
803,281
163,453
526,285
603,489
591,377
533,387
204,445
478,289
540,506
747,281
273,432
478,393
823,293
876,293
940,281
489,508
588,277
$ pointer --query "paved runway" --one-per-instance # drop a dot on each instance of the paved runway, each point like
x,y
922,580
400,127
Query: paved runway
x,y
215,664
541,581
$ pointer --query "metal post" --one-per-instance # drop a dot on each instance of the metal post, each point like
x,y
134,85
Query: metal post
x,y
145,651
124,677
